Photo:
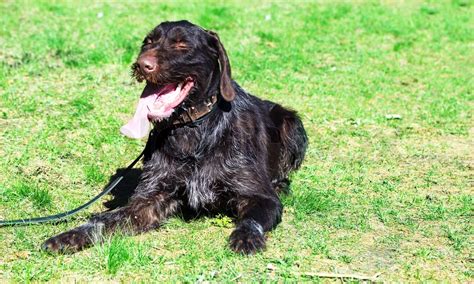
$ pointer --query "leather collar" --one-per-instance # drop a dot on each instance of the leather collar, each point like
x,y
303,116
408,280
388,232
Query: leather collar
x,y
195,113
190,115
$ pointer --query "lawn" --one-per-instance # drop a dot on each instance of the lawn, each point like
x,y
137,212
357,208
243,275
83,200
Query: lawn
x,y
385,90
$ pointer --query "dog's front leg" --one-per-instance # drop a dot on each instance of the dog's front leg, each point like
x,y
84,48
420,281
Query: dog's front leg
x,y
256,215
145,211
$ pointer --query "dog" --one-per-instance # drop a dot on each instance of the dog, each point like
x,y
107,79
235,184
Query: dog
x,y
214,147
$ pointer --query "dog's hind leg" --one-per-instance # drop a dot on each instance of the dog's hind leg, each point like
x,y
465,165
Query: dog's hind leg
x,y
142,213
292,140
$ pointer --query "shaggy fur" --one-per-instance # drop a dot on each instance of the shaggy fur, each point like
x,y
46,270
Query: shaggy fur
x,y
235,160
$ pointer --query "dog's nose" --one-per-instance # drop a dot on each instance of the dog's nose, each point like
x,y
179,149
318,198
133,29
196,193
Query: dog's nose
x,y
147,64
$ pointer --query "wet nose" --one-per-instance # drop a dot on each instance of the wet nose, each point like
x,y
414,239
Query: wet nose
x,y
147,64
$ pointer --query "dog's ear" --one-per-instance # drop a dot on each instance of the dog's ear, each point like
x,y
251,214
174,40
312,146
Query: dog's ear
x,y
227,91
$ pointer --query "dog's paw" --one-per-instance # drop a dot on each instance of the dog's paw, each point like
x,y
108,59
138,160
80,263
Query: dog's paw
x,y
247,238
68,242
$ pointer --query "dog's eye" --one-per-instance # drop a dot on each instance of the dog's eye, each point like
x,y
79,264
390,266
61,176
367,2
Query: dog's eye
x,y
147,41
180,45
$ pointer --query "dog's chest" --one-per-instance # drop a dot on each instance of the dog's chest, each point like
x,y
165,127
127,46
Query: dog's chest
x,y
200,189
197,174
190,148
183,143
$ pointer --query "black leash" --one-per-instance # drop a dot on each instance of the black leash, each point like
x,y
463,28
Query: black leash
x,y
66,214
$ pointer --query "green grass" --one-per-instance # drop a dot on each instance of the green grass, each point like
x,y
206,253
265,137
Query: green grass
x,y
375,194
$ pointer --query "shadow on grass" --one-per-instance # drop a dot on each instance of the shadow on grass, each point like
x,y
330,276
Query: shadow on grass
x,y
122,192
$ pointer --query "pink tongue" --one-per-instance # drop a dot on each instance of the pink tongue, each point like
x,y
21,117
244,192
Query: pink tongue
x,y
139,125
159,99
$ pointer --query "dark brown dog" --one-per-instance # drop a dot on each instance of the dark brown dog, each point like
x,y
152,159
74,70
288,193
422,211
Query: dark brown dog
x,y
215,147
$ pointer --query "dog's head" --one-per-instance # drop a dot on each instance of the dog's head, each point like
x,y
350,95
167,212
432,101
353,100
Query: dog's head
x,y
181,62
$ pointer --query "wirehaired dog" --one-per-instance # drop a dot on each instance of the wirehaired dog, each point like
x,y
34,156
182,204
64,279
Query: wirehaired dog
x,y
214,148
